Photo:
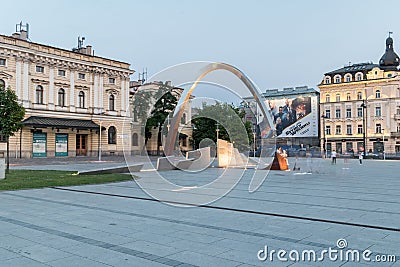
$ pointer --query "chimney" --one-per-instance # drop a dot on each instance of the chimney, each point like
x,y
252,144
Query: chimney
x,y
23,35
89,50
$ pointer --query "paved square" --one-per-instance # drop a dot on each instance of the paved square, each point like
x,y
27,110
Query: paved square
x,y
119,225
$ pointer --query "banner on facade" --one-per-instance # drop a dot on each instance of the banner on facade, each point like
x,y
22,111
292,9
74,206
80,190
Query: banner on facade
x,y
39,145
295,116
61,145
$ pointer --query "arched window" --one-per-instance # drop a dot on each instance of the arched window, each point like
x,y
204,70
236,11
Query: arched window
x,y
81,99
337,97
359,95
112,135
327,80
183,119
348,77
61,97
378,94
39,94
135,139
337,79
359,76
111,102
327,98
2,83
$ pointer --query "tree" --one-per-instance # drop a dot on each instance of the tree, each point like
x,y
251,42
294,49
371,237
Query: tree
x,y
230,125
11,116
165,104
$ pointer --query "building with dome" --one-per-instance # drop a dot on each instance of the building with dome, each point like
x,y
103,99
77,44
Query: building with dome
x,y
360,107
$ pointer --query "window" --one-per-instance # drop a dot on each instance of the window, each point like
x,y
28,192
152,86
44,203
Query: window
x,y
359,112
337,114
337,79
183,119
39,69
348,96
61,97
61,73
81,76
111,103
359,129
359,77
135,139
111,80
348,112
328,129
338,129
81,99
2,62
398,127
337,97
398,111
359,95
349,146
2,83
184,141
348,129
327,80
377,94
112,135
329,146
378,128
327,98
328,113
39,94
348,78
378,111
3,138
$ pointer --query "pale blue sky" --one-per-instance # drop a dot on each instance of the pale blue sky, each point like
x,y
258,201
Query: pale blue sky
x,y
277,43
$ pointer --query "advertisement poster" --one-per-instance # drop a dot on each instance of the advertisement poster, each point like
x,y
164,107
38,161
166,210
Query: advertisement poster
x,y
295,116
61,145
39,145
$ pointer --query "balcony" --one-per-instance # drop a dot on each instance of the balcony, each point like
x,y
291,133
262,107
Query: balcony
x,y
397,116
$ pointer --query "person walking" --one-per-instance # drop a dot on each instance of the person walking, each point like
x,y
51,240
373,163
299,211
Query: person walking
x,y
360,157
333,156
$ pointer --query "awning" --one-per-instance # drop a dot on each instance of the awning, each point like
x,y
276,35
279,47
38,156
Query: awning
x,y
60,123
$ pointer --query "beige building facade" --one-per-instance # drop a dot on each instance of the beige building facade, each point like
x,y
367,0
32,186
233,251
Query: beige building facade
x,y
68,96
360,107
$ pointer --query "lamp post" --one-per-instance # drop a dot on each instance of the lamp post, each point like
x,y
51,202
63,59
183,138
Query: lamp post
x,y
254,141
383,144
100,120
100,140
364,106
325,138
217,132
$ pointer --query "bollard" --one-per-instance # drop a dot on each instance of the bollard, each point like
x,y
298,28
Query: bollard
x,y
2,168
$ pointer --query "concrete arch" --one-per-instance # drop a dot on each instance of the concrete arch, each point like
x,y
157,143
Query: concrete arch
x,y
172,134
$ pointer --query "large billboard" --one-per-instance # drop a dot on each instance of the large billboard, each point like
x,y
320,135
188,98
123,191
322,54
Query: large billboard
x,y
295,116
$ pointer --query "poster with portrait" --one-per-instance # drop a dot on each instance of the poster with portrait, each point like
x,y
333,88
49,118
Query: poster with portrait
x,y
295,116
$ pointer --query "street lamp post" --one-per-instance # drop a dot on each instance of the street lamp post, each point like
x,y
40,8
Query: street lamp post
x,y
100,140
325,137
254,142
364,106
383,144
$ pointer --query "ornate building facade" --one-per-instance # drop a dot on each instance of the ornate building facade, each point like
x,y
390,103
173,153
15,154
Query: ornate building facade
x,y
360,106
68,96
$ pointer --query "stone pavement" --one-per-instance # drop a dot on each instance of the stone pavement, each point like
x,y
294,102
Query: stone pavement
x,y
120,225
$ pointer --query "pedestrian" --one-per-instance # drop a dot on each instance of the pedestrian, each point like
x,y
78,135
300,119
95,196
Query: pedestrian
x,y
333,156
360,157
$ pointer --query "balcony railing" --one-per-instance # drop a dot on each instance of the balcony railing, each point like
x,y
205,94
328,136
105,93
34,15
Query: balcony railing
x,y
395,134
397,116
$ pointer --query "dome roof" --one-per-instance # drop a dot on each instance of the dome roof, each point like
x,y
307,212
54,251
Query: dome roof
x,y
390,60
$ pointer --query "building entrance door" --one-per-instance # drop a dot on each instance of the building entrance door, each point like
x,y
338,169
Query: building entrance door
x,y
81,144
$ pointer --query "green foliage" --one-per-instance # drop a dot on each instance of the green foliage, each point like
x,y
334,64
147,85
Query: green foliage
x,y
11,112
230,125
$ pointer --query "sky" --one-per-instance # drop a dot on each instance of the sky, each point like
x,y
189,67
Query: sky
x,y
276,43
